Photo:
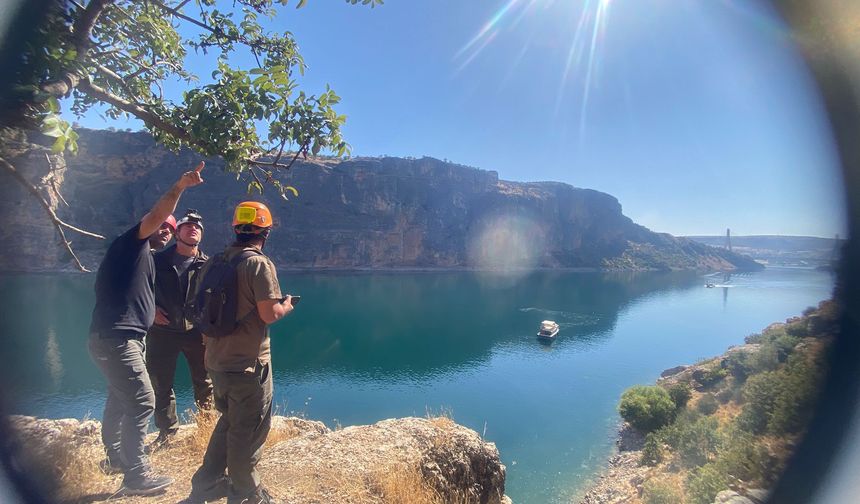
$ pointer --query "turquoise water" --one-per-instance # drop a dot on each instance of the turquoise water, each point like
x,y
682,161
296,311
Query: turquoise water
x,y
365,347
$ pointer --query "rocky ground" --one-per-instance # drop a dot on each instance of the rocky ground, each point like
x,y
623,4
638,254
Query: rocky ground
x,y
408,460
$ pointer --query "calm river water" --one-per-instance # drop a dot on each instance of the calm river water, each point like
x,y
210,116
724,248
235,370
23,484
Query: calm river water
x,y
365,347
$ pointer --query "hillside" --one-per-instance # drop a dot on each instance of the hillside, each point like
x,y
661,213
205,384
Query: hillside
x,y
359,213
721,430
781,250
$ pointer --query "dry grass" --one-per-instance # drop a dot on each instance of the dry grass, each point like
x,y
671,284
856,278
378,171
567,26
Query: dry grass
x,y
205,421
75,465
404,484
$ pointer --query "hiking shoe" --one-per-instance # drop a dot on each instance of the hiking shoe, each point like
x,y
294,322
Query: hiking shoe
x,y
217,491
161,441
147,484
261,496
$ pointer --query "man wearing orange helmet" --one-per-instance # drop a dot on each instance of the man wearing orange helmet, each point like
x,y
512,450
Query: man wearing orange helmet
x,y
124,311
240,367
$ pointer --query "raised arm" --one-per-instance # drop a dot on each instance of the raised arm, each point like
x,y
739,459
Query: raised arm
x,y
167,203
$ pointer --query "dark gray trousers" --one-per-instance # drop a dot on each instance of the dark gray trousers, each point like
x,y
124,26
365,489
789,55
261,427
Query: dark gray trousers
x,y
130,400
245,403
162,352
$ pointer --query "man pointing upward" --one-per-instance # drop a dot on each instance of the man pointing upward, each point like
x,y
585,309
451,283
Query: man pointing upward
x,y
124,311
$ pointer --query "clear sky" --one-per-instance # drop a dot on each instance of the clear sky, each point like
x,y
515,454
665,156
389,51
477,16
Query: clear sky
x,y
697,115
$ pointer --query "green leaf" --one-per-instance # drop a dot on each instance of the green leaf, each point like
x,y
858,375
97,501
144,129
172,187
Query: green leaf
x,y
59,144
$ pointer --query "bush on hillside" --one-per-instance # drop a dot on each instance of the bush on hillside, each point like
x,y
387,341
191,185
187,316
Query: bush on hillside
x,y
680,394
793,405
746,459
726,394
707,404
765,359
659,492
647,408
780,402
739,364
753,338
797,329
705,483
710,376
759,394
785,344
696,442
652,450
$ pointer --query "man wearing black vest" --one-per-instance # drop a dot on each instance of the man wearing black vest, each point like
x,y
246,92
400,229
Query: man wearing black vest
x,y
124,311
177,271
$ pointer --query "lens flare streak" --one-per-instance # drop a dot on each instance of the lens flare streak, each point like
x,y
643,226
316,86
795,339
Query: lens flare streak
x,y
492,24
598,32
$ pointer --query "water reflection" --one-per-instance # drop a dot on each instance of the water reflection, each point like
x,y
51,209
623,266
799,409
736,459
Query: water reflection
x,y
415,325
373,326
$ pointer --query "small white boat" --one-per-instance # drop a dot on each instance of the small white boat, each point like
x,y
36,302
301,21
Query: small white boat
x,y
548,330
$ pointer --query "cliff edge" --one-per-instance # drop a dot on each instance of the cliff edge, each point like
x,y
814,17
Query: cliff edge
x,y
415,460
360,213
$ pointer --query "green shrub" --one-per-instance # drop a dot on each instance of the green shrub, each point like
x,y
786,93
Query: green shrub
x,y
659,492
759,393
744,458
797,329
696,442
647,408
705,483
753,338
680,394
726,394
793,405
765,359
785,344
739,364
707,404
652,451
781,401
710,376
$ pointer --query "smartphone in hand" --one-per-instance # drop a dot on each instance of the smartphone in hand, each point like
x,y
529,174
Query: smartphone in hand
x,y
294,300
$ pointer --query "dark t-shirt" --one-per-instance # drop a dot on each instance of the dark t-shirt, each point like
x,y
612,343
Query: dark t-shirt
x,y
125,299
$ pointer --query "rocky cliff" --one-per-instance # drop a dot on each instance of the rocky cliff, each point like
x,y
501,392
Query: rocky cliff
x,y
406,460
358,213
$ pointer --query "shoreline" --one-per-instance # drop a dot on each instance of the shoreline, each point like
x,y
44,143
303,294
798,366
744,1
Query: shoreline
x,y
431,269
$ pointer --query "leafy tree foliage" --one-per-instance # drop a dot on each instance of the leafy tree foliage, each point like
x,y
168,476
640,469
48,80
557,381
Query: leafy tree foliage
x,y
680,393
647,408
122,53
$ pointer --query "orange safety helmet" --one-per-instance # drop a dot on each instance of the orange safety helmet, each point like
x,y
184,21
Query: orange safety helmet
x,y
251,213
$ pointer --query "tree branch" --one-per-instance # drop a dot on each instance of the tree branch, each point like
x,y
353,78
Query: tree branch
x,y
59,224
149,118
176,13
81,31
117,78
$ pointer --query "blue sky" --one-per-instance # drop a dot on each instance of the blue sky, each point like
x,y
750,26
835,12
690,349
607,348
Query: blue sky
x,y
697,115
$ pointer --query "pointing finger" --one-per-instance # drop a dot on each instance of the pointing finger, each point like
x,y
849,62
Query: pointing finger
x,y
200,166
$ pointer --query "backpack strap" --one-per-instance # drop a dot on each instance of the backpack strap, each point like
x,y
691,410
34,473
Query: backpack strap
x,y
234,263
245,254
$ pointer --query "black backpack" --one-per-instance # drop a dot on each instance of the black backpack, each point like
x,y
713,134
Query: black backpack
x,y
213,309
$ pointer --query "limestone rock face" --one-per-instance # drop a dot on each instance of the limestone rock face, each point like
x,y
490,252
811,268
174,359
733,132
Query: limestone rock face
x,y
458,464
354,214
415,460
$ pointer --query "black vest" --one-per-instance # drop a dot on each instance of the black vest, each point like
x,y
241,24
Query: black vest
x,y
170,293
